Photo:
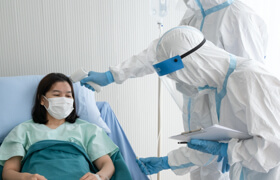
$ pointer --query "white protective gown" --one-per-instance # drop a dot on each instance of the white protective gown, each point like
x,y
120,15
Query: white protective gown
x,y
249,102
224,26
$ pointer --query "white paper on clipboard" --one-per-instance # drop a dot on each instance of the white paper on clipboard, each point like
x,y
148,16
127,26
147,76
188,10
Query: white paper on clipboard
x,y
212,133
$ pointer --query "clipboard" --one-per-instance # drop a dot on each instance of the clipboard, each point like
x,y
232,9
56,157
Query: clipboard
x,y
212,133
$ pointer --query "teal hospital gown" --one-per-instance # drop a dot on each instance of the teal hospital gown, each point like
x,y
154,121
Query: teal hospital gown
x,y
90,137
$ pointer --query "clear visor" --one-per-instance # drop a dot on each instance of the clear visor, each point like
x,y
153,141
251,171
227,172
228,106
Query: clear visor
x,y
177,91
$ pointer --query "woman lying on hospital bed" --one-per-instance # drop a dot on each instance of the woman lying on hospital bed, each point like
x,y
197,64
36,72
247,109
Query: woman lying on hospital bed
x,y
56,140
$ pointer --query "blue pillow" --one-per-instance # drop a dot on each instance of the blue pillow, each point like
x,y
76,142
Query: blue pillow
x,y
17,98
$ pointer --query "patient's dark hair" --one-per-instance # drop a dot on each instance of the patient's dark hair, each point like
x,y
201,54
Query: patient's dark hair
x,y
39,112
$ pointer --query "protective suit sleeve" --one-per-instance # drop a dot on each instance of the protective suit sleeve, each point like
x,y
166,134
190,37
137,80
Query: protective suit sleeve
x,y
185,160
257,154
261,112
136,66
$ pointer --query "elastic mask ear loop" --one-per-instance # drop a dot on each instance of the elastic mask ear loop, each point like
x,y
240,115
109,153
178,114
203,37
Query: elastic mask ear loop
x,y
48,102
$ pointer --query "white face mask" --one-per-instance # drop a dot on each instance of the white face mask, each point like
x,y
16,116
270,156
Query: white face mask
x,y
59,107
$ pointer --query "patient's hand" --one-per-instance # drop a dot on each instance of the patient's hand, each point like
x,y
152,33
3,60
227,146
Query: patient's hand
x,y
35,177
90,176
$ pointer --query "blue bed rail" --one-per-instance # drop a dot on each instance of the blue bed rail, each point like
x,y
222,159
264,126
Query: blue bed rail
x,y
119,138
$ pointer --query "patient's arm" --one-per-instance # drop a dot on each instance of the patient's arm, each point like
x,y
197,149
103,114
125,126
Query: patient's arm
x,y
12,170
105,166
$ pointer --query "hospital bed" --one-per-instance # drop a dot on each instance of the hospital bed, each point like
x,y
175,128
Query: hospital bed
x,y
16,100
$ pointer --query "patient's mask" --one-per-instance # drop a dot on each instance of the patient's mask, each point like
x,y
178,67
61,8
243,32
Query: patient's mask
x,y
59,107
172,71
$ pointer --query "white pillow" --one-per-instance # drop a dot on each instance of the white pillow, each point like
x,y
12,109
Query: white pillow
x,y
17,98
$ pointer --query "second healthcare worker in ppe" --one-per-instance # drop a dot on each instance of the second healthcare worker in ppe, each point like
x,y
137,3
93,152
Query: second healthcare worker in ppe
x,y
225,89
230,25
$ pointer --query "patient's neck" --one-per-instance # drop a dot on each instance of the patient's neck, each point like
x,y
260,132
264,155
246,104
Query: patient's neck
x,y
54,123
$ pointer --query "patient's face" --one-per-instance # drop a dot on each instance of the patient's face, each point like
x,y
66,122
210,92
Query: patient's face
x,y
58,89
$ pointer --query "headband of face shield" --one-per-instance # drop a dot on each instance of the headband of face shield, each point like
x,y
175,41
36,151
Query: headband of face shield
x,y
175,63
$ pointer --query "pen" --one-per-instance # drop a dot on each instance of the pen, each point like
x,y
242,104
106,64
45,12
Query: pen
x,y
182,142
191,131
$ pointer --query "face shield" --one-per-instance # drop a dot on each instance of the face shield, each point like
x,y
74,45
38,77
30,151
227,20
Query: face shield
x,y
172,53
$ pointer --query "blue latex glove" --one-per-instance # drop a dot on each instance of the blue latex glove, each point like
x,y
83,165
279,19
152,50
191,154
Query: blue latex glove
x,y
102,79
212,147
153,165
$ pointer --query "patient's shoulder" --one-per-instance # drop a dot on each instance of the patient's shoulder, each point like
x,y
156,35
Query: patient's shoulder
x,y
21,128
81,121
25,124
86,124
28,122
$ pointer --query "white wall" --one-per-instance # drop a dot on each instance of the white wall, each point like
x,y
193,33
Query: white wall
x,y
43,36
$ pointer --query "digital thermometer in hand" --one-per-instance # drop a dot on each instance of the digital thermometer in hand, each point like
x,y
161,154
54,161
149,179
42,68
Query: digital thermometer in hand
x,y
81,74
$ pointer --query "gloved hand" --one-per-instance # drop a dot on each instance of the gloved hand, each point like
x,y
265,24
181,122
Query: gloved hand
x,y
153,165
212,147
102,79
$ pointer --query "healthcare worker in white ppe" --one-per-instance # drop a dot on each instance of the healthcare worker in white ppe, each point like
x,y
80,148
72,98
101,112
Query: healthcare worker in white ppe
x,y
229,24
224,89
